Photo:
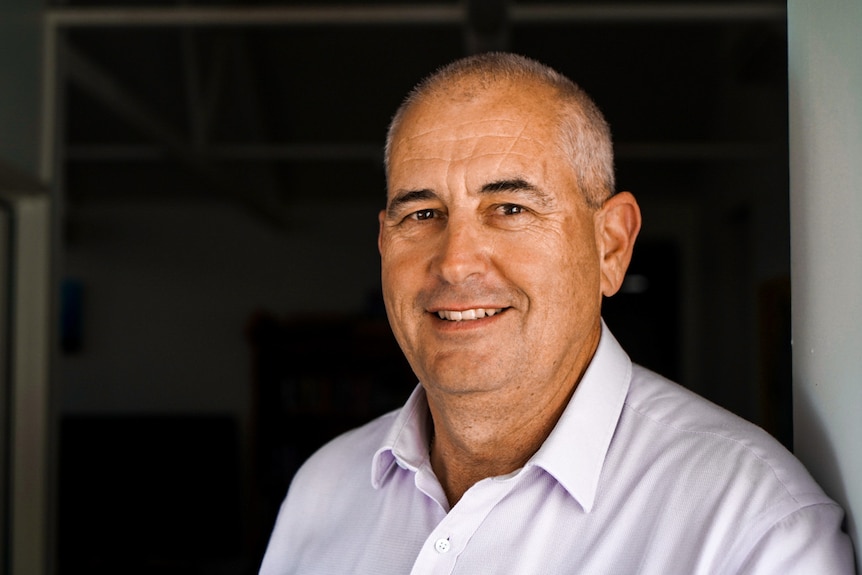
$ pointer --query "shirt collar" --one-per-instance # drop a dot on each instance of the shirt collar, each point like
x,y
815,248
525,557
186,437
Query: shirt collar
x,y
573,453
406,442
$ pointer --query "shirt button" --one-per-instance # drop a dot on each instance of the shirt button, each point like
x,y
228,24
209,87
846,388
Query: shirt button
x,y
442,545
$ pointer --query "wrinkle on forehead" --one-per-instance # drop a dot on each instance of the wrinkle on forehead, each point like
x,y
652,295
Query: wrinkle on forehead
x,y
466,156
520,137
484,145
461,131
437,125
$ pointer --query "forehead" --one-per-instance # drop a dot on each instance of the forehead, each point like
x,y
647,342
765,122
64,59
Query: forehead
x,y
508,123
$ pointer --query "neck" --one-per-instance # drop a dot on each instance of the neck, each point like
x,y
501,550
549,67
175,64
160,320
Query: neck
x,y
478,435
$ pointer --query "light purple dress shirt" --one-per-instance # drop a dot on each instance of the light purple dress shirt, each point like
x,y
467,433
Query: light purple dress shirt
x,y
639,476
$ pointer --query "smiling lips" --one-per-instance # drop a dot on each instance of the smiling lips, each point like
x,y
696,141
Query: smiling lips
x,y
467,314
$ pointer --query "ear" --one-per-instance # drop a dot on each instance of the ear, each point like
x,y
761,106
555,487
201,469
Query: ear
x,y
380,218
618,222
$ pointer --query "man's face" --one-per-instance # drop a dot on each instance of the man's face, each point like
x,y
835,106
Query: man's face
x,y
490,260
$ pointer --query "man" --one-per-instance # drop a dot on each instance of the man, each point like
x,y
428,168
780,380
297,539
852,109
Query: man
x,y
533,445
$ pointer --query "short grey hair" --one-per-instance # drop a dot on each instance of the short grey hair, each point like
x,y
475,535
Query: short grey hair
x,y
585,136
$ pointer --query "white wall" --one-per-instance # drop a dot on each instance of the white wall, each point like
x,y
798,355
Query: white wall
x,y
825,57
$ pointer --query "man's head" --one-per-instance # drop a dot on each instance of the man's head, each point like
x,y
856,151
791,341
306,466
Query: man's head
x,y
500,233
584,135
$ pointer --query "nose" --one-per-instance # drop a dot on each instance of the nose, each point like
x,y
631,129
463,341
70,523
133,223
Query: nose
x,y
463,252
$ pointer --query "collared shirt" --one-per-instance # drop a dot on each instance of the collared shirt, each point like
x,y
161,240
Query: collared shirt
x,y
638,476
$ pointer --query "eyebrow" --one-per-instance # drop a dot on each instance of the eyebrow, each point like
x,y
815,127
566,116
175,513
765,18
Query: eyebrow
x,y
405,197
517,185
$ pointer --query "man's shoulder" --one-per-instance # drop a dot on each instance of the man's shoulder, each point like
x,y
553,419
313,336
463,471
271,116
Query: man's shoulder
x,y
352,450
667,402
686,421
694,467
330,506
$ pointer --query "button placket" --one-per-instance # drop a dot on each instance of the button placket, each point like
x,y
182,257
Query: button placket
x,y
446,543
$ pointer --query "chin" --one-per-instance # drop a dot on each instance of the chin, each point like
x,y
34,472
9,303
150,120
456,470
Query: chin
x,y
462,382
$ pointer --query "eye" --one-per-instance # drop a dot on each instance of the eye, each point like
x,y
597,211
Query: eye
x,y
424,214
512,209
510,216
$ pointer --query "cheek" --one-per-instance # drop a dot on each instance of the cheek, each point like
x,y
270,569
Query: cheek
x,y
401,279
564,271
394,300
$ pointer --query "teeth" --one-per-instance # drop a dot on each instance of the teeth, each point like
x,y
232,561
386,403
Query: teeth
x,y
467,314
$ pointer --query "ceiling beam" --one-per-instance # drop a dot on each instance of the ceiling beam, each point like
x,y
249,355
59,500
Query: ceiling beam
x,y
657,13
101,86
416,14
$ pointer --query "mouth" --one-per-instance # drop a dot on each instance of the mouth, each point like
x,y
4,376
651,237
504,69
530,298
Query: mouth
x,y
467,314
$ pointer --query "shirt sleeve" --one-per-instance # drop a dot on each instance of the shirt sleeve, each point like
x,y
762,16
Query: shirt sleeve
x,y
809,540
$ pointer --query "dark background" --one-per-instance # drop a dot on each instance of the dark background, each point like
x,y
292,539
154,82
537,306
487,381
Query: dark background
x,y
219,188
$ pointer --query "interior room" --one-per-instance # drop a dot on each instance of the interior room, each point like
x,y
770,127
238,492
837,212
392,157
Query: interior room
x,y
217,170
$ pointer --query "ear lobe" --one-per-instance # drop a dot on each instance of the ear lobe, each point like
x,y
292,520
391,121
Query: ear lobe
x,y
618,223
